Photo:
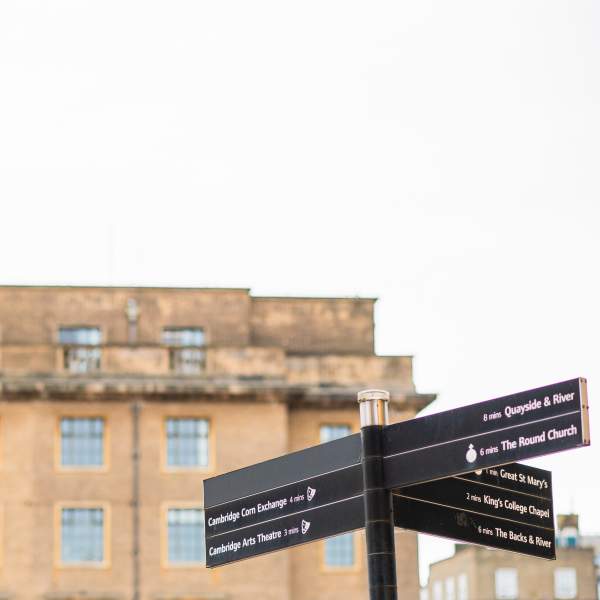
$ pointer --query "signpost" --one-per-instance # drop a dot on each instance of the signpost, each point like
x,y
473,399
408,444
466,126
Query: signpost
x,y
486,434
474,528
509,508
285,532
451,474
291,500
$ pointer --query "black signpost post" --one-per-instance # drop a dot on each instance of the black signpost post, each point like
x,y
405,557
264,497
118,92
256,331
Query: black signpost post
x,y
379,512
450,474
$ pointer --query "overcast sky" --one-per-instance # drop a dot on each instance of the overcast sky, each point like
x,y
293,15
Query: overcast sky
x,y
442,156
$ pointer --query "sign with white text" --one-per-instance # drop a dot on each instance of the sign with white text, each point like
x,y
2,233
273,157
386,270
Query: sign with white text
x,y
482,507
474,528
452,474
305,496
284,532
487,434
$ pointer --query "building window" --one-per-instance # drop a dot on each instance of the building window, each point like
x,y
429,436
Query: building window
x,y
339,551
186,349
329,433
438,591
82,535
565,583
81,442
187,442
507,584
80,353
185,535
450,589
463,587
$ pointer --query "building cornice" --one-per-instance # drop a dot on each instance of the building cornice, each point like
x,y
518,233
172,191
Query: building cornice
x,y
193,389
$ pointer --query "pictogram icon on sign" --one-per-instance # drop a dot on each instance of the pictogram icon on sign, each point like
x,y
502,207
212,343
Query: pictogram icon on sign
x,y
471,454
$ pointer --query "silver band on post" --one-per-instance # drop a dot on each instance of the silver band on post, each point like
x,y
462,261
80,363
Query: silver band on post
x,y
373,407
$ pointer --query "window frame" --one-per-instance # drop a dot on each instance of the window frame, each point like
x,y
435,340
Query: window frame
x,y
462,579
164,455
106,534
63,368
175,348
357,564
58,466
506,570
343,569
450,584
164,534
558,570
334,423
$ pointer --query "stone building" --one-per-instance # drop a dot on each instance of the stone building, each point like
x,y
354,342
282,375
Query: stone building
x,y
570,537
116,403
476,573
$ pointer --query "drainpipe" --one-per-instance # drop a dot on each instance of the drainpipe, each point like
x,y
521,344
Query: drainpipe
x,y
135,497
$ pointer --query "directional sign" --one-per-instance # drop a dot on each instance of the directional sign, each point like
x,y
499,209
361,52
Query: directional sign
x,y
473,527
487,434
283,501
516,477
281,471
449,473
274,521
294,499
285,532
508,508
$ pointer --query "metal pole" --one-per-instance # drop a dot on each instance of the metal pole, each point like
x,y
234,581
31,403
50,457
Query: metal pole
x,y
135,497
379,516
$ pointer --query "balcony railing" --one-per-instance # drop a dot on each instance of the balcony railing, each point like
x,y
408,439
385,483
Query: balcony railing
x,y
187,361
81,359
210,361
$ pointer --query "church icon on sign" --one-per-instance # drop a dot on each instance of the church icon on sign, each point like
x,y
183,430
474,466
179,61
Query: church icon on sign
x,y
471,454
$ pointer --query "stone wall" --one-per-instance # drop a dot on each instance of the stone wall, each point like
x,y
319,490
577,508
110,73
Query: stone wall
x,y
535,575
276,370
314,325
33,314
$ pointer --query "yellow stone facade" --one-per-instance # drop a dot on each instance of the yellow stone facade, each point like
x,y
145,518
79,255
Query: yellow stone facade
x,y
275,371
535,578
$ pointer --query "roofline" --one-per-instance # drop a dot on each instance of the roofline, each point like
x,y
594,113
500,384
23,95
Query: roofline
x,y
359,298
186,288
467,547
124,287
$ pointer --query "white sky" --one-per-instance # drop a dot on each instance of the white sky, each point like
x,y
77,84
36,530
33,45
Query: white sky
x,y
442,156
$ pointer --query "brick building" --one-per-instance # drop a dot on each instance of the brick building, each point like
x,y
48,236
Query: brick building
x,y
476,573
115,403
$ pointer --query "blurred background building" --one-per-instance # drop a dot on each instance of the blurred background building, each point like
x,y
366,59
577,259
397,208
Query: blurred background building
x,y
115,404
476,573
